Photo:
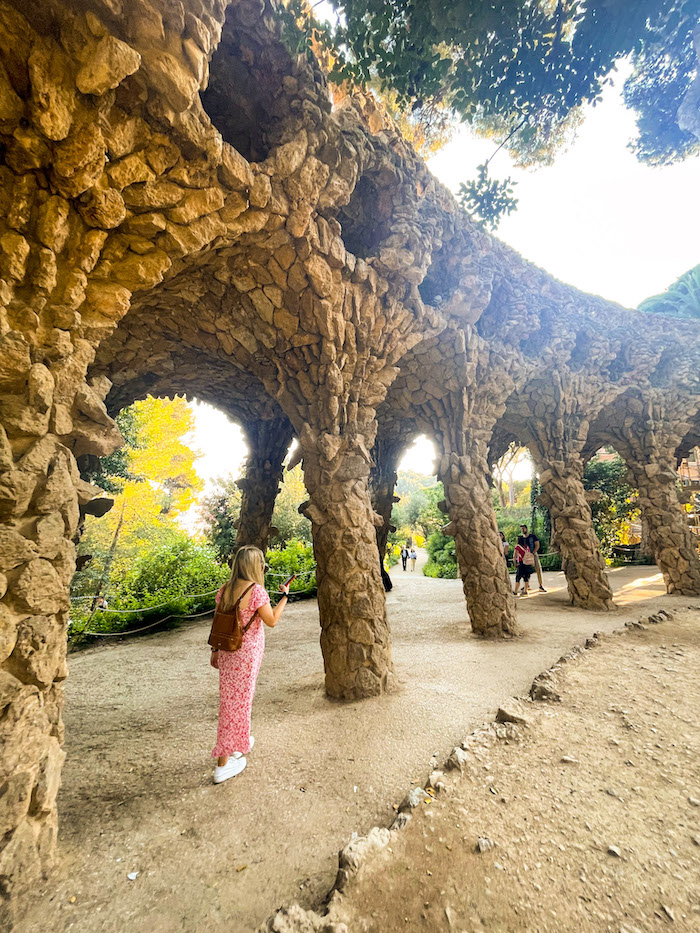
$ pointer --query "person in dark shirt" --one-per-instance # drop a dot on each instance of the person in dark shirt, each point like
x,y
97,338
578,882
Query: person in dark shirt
x,y
530,540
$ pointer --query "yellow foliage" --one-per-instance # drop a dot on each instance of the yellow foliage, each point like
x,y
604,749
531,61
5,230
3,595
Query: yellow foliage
x,y
165,482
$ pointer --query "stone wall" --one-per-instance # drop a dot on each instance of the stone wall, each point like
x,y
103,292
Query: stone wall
x,y
183,208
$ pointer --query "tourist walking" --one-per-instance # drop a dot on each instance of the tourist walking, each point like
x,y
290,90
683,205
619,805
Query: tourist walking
x,y
238,670
404,556
505,546
414,557
524,565
531,541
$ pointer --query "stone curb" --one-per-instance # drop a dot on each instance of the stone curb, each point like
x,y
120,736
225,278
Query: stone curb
x,y
512,717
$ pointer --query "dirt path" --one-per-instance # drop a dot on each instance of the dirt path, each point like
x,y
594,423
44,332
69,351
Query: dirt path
x,y
594,815
141,720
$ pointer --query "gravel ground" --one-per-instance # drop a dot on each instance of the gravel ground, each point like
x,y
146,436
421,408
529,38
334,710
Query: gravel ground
x,y
141,720
590,822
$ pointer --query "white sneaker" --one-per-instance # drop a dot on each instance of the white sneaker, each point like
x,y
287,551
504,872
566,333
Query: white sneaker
x,y
232,767
240,754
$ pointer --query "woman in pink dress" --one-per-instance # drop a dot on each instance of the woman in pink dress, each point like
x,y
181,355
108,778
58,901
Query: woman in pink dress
x,y
238,670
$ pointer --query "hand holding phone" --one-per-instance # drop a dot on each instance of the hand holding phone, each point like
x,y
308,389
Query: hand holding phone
x,y
284,587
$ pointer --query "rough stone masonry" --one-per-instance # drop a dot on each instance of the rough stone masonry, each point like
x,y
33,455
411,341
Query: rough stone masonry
x,y
185,207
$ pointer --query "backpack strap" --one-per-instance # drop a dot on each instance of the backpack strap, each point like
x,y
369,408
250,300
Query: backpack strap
x,y
245,591
254,616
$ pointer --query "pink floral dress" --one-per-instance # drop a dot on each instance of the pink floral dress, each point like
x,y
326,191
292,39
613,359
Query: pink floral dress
x,y
238,672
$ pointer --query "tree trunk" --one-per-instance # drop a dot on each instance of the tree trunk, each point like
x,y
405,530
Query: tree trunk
x,y
473,525
563,494
268,442
104,578
670,539
501,492
355,638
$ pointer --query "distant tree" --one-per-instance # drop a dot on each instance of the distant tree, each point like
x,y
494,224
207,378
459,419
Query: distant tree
x,y
417,508
111,472
681,299
428,128
286,518
430,517
219,511
617,505
154,481
503,470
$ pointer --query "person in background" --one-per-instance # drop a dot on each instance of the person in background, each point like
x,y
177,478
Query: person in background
x,y
522,570
504,545
530,539
238,670
414,556
404,556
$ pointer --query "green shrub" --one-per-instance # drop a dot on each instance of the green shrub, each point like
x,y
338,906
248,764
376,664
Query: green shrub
x,y
442,560
161,584
295,557
179,578
392,556
551,561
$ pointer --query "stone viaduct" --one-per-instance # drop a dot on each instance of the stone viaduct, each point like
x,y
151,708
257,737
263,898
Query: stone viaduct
x,y
184,209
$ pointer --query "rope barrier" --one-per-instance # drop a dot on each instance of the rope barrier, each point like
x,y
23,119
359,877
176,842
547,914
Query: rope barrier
x,y
158,606
145,628
302,573
135,631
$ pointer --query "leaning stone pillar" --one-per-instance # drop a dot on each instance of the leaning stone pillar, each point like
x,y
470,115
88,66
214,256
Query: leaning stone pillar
x,y
41,495
386,454
463,423
646,430
572,523
355,638
473,525
671,540
555,411
268,442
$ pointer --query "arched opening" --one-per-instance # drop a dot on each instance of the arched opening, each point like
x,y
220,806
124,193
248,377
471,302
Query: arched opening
x,y
367,217
246,97
665,370
443,275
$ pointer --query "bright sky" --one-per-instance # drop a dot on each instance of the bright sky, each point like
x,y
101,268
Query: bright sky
x,y
597,219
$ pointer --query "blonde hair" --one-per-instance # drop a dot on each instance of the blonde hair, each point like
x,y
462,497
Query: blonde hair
x,y
248,564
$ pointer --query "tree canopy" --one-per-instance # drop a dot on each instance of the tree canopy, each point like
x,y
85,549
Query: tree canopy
x,y
519,71
154,481
681,299
533,61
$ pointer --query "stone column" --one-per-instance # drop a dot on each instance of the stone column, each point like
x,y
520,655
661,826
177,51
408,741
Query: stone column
x,y
671,540
385,455
485,578
554,411
355,637
646,427
41,497
268,442
645,548
464,422
563,494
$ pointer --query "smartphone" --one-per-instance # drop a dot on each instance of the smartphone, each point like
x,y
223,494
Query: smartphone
x,y
289,580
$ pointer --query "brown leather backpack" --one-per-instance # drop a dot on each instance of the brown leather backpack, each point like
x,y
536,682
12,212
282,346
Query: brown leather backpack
x,y
227,630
